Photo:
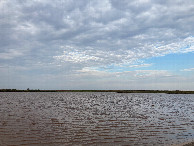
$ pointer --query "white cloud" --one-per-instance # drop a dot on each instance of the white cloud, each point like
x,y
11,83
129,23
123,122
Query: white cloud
x,y
140,65
10,54
152,73
123,56
188,69
135,75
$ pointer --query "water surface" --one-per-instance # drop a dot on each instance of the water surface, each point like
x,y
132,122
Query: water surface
x,y
79,118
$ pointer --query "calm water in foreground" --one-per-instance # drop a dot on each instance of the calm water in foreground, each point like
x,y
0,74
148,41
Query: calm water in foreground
x,y
53,119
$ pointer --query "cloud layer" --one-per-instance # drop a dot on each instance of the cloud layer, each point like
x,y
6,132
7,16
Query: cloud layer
x,y
65,37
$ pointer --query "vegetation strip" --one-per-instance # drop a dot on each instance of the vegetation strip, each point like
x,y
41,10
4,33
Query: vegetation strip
x,y
117,91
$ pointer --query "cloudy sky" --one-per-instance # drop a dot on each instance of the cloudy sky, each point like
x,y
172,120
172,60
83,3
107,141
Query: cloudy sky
x,y
97,44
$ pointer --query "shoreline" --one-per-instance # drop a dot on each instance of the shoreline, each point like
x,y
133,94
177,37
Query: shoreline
x,y
191,143
117,91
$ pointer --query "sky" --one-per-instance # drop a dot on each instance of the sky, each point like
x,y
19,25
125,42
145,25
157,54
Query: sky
x,y
97,44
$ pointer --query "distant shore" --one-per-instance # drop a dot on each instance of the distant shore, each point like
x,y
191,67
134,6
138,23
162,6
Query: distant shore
x,y
117,91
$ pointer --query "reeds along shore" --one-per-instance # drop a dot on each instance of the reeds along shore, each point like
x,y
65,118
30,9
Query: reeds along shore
x,y
117,91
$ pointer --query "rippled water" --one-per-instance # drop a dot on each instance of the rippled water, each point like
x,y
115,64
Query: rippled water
x,y
95,119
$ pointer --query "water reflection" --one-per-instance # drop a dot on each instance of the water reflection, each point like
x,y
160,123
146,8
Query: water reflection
x,y
95,118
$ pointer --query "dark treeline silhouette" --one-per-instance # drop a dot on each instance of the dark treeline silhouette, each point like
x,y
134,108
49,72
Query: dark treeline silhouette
x,y
117,91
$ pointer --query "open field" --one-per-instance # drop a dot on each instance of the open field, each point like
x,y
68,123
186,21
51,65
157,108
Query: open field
x,y
95,118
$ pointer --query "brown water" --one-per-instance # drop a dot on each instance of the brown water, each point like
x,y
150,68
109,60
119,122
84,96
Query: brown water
x,y
53,119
